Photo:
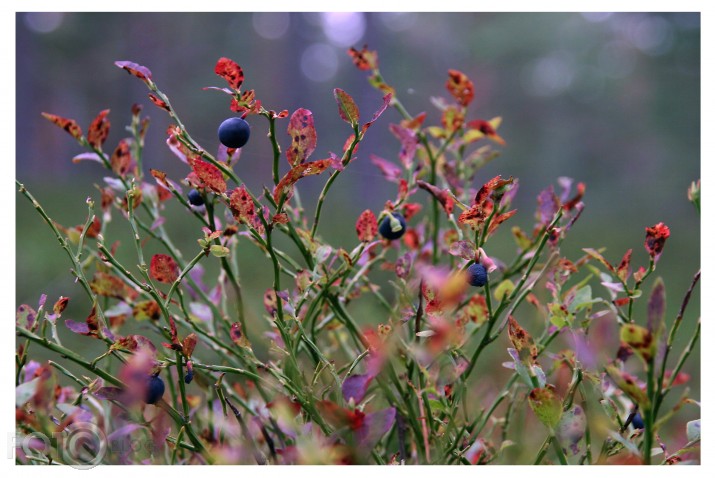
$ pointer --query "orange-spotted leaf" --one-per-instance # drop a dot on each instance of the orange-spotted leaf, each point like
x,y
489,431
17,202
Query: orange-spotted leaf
x,y
655,239
304,139
461,87
347,108
624,268
241,205
121,159
629,384
163,268
500,219
547,405
189,344
146,310
66,124
366,226
285,185
521,339
639,339
597,255
229,71
364,59
209,174
476,310
98,130
452,119
141,72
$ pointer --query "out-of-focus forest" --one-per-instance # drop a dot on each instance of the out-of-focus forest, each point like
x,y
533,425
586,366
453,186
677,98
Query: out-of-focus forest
x,y
612,100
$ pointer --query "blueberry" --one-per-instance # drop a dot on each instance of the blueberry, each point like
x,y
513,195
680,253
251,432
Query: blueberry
x,y
386,228
154,390
476,275
638,421
195,198
234,132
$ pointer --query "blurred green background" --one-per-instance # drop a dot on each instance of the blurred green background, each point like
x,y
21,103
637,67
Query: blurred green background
x,y
609,99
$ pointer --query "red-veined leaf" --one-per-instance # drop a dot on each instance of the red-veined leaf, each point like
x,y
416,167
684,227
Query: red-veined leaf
x,y
347,108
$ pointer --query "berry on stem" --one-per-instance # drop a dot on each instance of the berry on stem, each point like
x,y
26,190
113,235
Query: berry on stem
x,y
477,275
387,228
638,421
234,132
195,198
154,390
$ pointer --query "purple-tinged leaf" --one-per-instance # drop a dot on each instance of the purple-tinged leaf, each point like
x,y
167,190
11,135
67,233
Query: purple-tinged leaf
x,y
656,308
385,103
375,425
77,327
110,393
355,387
408,140
122,432
391,171
304,139
548,206
25,316
87,157
141,72
403,265
347,108
572,428
463,249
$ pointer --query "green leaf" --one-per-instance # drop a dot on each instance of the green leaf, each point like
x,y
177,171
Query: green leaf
x,y
640,340
693,430
25,391
559,315
547,406
628,384
347,108
582,299
220,251
503,290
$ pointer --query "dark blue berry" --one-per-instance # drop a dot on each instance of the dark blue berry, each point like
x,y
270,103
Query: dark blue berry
x,y
195,198
386,229
234,132
154,390
476,275
638,421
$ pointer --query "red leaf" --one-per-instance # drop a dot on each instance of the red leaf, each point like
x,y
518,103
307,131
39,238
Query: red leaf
x,y
121,159
364,59
209,174
347,108
461,87
366,226
98,130
163,268
158,102
66,124
499,219
442,195
391,171
241,205
655,239
229,71
300,171
625,265
304,138
385,103
141,72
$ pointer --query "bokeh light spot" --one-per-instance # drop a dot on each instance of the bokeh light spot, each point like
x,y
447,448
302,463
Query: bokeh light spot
x,y
271,25
319,62
343,28
44,22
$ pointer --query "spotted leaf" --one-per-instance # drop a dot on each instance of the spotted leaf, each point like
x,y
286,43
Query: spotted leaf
x,y
229,71
366,226
461,87
241,205
300,171
547,406
639,339
209,174
629,385
163,268
121,159
98,129
364,59
66,124
304,139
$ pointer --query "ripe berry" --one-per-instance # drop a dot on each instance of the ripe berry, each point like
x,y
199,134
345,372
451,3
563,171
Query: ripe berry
x,y
638,421
195,198
234,132
154,390
476,275
386,228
